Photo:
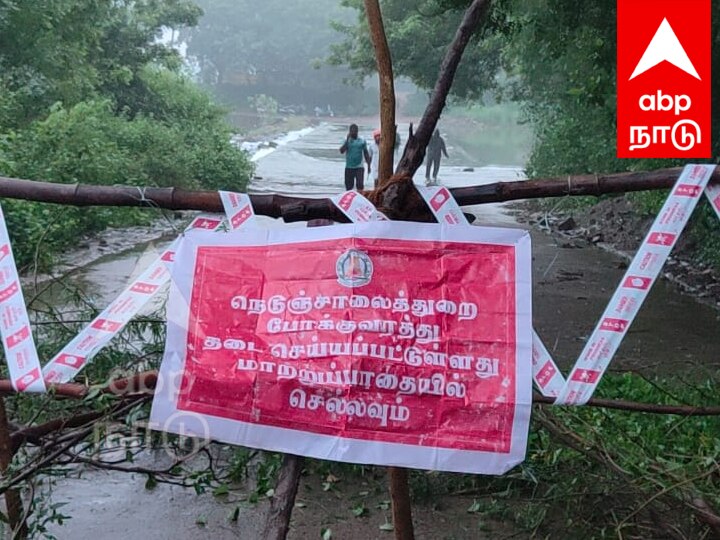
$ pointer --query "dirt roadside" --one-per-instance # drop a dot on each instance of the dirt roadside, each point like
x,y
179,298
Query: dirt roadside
x,y
580,256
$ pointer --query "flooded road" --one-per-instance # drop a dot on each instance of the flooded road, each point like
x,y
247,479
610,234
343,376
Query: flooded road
x,y
571,289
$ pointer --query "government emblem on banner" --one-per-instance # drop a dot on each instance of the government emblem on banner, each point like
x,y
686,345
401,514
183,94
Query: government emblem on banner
x,y
354,268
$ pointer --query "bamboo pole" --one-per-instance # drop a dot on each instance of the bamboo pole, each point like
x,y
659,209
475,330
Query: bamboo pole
x,y
383,58
282,503
13,500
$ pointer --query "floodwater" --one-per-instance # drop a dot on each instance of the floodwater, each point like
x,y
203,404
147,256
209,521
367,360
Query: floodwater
x,y
672,335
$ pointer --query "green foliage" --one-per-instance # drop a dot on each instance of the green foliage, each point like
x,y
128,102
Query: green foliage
x,y
418,34
263,105
245,48
88,95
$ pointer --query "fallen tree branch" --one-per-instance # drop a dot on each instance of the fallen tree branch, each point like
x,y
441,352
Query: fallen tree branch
x,y
293,209
137,384
636,406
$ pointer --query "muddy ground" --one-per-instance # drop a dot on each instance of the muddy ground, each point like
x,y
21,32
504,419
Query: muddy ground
x,y
580,256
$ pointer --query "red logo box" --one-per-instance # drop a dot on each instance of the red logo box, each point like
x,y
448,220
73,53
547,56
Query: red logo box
x,y
663,79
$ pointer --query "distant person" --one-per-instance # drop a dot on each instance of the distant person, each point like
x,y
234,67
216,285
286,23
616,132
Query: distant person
x,y
436,147
355,148
375,158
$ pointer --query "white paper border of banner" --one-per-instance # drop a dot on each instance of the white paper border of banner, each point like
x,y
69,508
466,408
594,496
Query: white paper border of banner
x,y
166,416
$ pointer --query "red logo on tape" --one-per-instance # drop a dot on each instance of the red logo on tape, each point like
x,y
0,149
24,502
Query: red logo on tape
x,y
26,380
614,325
241,217
347,199
440,198
546,374
106,325
205,223
663,79
144,288
589,376
661,239
71,360
9,291
688,190
637,282
18,337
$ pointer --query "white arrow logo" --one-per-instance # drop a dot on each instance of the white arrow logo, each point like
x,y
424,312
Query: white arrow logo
x,y
665,46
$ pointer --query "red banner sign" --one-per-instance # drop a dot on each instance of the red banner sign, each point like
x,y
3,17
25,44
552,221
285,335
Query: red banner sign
x,y
381,343
663,79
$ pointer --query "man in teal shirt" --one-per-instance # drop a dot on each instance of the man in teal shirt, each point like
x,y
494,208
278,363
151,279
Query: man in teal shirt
x,y
355,148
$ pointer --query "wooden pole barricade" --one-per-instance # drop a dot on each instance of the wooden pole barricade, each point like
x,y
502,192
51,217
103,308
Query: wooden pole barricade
x,y
293,209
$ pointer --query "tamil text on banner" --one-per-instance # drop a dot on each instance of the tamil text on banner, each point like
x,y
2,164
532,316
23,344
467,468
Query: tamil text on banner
x,y
446,210
380,343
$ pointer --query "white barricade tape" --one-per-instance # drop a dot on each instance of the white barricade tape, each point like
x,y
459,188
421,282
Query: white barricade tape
x,y
445,208
79,352
357,208
238,209
547,376
635,285
443,205
20,352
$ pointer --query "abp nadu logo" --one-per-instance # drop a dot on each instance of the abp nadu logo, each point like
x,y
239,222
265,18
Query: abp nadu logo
x,y
663,79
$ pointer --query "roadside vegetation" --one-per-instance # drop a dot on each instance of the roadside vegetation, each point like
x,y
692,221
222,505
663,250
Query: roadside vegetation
x,y
89,95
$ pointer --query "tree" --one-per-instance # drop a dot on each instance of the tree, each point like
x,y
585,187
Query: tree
x,y
245,48
418,32
71,50
565,59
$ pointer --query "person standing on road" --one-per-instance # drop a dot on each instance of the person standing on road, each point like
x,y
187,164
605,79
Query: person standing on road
x,y
355,148
435,149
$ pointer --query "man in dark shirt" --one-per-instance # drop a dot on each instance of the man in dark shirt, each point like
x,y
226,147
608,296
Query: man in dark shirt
x,y
355,148
435,149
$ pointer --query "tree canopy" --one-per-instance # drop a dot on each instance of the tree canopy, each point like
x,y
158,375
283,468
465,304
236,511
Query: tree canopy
x,y
418,33
557,59
245,48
